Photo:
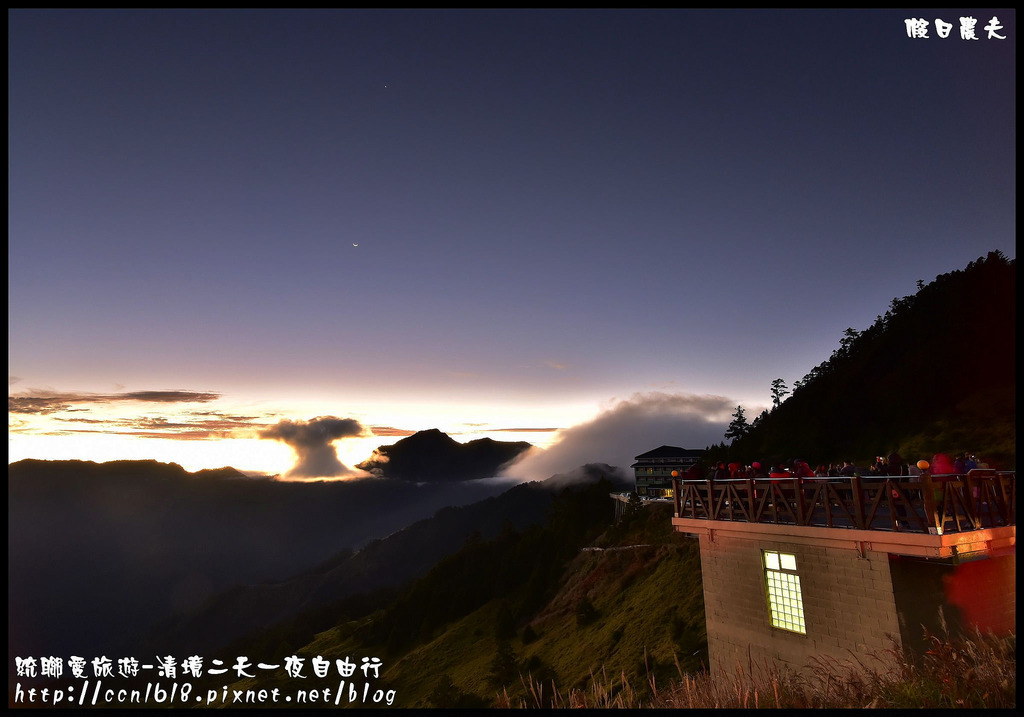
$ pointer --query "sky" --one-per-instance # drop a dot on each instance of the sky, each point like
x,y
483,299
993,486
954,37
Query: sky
x,y
521,224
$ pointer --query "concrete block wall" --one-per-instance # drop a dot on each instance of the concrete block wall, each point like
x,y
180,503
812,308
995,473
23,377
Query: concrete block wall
x,y
848,602
955,596
985,591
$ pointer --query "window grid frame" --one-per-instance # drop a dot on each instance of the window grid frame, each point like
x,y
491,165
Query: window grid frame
x,y
783,592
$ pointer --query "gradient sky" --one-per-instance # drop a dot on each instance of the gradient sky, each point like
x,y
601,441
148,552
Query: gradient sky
x,y
556,212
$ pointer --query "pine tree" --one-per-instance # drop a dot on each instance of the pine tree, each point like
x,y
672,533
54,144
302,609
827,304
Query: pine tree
x,y
739,426
504,665
779,389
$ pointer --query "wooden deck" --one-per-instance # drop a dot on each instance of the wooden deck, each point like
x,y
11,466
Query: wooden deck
x,y
936,505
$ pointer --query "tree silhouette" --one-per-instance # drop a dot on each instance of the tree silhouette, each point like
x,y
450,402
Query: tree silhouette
x,y
739,426
779,389
905,382
504,665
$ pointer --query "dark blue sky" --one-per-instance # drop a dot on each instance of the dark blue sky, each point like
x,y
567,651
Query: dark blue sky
x,y
553,209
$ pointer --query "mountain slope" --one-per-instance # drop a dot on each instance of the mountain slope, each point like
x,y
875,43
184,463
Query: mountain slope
x,y
633,608
935,374
132,542
528,602
383,563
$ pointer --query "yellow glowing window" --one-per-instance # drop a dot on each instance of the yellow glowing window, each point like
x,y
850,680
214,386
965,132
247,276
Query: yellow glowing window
x,y
784,600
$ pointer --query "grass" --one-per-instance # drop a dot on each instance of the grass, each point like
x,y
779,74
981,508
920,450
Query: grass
x,y
632,621
975,673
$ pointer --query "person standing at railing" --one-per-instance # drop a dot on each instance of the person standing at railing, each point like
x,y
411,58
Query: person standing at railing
x,y
896,469
801,469
941,471
959,465
942,465
896,465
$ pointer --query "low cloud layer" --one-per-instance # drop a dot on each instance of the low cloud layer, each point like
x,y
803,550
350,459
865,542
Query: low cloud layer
x,y
629,428
313,443
389,431
191,426
45,402
524,430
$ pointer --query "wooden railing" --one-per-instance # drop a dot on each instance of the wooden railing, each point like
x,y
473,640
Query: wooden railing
x,y
934,504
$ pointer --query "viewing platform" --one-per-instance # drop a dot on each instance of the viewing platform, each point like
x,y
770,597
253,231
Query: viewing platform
x,y
935,516
794,569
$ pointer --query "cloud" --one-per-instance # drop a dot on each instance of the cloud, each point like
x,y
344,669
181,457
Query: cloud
x,y
524,430
187,425
44,402
390,431
488,428
312,441
205,426
167,396
627,429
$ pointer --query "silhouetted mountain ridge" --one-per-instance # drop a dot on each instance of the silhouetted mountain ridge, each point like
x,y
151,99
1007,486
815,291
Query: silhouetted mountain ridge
x,y
432,455
131,542
935,374
383,563
557,600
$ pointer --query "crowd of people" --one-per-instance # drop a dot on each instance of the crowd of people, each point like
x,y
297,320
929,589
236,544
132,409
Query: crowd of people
x,y
891,465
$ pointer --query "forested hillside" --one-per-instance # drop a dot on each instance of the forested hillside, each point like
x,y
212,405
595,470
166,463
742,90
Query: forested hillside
x,y
559,601
936,373
567,602
383,564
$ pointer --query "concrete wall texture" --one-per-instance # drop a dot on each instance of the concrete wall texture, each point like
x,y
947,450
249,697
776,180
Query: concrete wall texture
x,y
848,600
985,592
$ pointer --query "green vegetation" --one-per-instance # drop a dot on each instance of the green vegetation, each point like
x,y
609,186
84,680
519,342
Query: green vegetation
x,y
578,612
935,374
557,613
976,673
528,603
582,613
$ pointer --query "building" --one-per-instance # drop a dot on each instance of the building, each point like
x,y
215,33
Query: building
x,y
843,568
653,470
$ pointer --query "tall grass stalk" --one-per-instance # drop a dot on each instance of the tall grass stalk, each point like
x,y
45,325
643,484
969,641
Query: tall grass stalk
x,y
977,672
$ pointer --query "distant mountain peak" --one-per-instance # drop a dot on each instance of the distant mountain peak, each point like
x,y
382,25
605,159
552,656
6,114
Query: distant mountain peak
x,y
434,456
147,467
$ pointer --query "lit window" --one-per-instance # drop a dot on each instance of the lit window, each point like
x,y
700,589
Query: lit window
x,y
784,600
